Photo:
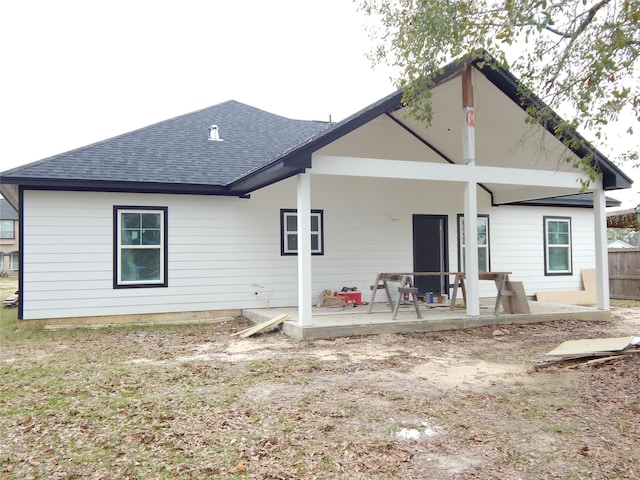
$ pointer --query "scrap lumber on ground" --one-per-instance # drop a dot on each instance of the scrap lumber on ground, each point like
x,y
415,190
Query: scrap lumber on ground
x,y
261,327
604,349
11,300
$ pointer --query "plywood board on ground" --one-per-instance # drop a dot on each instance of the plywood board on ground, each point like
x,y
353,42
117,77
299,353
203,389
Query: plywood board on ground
x,y
576,297
590,346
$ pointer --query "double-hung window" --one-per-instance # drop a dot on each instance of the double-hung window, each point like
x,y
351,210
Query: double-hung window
x,y
140,246
483,242
289,232
7,229
557,246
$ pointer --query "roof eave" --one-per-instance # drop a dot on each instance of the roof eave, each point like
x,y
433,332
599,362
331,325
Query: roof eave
x,y
585,201
118,186
299,159
272,173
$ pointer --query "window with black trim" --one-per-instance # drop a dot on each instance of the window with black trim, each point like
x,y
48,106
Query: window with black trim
x,y
484,264
557,246
289,232
140,246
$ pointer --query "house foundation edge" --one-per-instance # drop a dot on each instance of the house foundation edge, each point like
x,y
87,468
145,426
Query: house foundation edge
x,y
201,316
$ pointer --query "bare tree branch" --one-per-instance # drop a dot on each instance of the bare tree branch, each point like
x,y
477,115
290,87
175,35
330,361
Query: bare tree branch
x,y
584,24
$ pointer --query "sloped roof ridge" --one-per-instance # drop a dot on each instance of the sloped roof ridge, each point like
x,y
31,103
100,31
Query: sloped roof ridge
x,y
346,121
119,136
325,136
292,148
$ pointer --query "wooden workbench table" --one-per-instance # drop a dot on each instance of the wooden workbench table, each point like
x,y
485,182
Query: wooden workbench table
x,y
405,279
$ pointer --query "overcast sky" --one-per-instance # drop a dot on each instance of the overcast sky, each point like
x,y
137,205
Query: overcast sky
x,y
79,71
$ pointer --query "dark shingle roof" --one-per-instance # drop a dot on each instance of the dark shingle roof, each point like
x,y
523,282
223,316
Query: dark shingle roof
x,y
178,151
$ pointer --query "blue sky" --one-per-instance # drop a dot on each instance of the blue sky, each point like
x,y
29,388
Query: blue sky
x,y
76,72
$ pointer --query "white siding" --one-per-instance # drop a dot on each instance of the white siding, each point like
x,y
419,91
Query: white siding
x,y
517,245
221,248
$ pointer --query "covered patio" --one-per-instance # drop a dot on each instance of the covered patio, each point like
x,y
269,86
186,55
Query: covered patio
x,y
349,321
486,159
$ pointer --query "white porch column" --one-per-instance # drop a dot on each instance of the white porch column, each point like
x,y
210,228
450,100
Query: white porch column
x,y
471,249
602,259
304,249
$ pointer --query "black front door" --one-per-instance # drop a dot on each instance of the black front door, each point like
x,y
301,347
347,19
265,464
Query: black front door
x,y
430,252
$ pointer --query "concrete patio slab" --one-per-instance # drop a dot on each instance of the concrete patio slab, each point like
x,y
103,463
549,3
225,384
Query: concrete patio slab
x,y
349,321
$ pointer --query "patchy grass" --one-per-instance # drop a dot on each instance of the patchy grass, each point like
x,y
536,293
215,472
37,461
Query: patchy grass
x,y
8,316
191,402
625,303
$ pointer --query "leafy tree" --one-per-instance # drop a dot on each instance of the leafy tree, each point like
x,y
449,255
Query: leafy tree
x,y
628,235
581,57
625,226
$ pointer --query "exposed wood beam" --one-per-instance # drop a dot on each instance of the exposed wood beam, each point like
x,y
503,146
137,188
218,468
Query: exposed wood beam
x,y
468,118
467,87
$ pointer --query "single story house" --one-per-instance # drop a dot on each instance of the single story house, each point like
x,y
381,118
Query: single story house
x,y
203,213
619,244
9,233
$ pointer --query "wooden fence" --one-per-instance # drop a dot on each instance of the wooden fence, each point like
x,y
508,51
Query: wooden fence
x,y
624,273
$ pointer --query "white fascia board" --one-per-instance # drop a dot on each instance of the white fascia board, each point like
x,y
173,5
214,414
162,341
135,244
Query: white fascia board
x,y
443,172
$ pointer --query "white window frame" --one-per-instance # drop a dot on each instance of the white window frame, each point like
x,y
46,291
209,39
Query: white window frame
x,y
5,234
286,234
482,245
118,282
566,246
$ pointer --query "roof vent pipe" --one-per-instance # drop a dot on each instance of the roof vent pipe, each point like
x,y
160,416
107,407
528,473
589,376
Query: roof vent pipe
x,y
214,134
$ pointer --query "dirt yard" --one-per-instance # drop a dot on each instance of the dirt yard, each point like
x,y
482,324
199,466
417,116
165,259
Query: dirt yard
x,y
194,402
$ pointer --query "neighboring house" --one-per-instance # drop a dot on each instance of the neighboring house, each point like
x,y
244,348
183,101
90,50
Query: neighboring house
x,y
619,244
9,234
200,213
629,221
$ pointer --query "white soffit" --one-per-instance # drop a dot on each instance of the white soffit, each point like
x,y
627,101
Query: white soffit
x,y
445,132
502,136
381,138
